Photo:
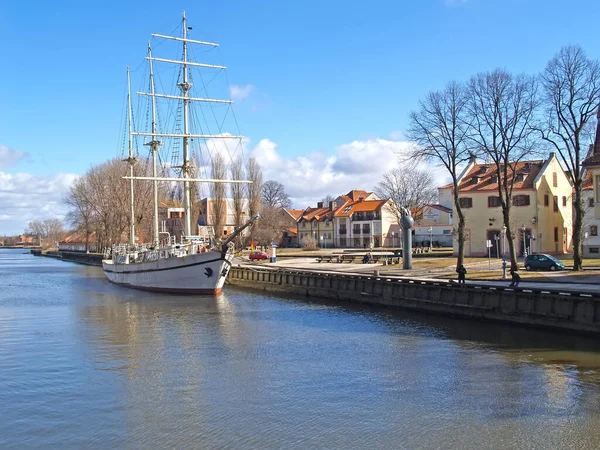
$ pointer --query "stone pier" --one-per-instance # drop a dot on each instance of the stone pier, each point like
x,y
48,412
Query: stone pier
x,y
556,309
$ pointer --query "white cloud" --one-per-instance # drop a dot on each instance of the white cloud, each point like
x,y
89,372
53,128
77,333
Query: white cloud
x,y
309,178
240,92
25,197
9,157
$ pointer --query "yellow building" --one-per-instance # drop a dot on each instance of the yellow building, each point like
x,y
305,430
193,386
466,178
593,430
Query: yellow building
x,y
541,212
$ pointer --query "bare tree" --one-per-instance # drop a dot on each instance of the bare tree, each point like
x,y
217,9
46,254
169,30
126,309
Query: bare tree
x,y
254,189
99,202
273,222
217,193
80,212
237,195
49,231
439,128
327,199
406,187
571,85
273,194
502,110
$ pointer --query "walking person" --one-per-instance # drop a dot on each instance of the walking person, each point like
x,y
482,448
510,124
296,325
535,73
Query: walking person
x,y
462,272
515,277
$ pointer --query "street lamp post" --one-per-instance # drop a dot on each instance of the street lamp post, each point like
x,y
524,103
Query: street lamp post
x,y
497,239
503,254
393,238
430,229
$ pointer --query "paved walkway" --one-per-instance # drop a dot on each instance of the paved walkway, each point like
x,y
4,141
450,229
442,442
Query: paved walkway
x,y
565,281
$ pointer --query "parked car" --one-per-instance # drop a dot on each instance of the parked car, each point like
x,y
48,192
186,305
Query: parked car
x,y
542,261
257,256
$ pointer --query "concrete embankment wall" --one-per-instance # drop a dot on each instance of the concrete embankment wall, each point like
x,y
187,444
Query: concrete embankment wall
x,y
92,259
572,312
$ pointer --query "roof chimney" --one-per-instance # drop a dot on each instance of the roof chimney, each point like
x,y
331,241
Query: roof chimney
x,y
319,204
331,205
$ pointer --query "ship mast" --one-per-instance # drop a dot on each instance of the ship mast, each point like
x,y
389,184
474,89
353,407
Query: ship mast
x,y
186,168
131,160
154,144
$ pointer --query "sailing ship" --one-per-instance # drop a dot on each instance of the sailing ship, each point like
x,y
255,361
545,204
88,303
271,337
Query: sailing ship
x,y
188,264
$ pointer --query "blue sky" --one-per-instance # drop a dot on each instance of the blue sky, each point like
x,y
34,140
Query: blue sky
x,y
326,80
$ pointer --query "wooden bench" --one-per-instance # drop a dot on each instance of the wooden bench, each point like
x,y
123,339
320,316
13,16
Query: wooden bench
x,y
326,259
349,258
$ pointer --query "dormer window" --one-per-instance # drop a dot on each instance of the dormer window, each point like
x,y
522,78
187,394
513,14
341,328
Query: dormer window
x,y
494,179
346,209
527,167
520,177
476,179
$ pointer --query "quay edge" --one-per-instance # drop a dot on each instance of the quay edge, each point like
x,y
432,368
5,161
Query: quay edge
x,y
552,309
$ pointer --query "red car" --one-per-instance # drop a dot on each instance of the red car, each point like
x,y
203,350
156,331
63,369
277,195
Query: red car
x,y
256,256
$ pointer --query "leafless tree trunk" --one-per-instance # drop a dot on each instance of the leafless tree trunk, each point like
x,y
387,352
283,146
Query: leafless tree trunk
x,y
502,110
254,189
237,195
217,193
273,194
406,187
571,84
440,128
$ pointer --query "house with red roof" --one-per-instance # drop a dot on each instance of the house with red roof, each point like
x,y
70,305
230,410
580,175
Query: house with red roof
x,y
357,219
541,210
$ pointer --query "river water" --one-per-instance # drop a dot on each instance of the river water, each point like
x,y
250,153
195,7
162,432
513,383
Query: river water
x,y
85,364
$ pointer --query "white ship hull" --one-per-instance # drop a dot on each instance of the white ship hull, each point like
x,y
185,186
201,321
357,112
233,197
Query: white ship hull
x,y
200,273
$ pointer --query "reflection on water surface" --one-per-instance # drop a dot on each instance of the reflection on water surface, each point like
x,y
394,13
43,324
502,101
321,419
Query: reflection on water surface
x,y
87,364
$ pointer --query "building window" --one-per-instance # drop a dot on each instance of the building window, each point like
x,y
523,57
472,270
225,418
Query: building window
x,y
591,202
555,203
546,199
366,228
564,201
356,229
594,230
594,250
303,224
519,177
555,234
465,202
520,200
554,179
493,201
